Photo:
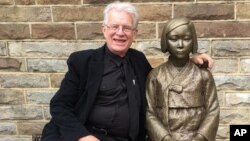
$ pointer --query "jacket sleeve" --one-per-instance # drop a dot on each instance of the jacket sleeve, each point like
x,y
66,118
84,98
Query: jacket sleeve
x,y
210,124
155,128
63,103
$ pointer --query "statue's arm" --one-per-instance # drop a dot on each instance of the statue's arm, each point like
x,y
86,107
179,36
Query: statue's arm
x,y
210,124
156,130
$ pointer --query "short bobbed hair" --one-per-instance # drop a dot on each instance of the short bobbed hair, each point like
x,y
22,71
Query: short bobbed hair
x,y
173,24
122,6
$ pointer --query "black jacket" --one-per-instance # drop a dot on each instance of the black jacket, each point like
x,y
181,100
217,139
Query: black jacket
x,y
72,103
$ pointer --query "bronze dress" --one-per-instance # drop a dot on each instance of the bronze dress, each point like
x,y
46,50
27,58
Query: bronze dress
x,y
181,103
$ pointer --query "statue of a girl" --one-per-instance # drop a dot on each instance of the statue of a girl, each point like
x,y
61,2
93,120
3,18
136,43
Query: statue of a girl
x,y
182,98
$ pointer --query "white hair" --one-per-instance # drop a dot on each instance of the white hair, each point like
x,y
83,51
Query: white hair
x,y
122,6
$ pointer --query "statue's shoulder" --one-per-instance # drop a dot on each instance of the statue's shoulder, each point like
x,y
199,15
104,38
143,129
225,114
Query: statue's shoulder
x,y
206,74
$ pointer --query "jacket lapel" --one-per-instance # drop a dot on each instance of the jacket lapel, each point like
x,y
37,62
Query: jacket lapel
x,y
95,71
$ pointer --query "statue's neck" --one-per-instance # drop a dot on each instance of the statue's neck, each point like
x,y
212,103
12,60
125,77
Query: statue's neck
x,y
179,63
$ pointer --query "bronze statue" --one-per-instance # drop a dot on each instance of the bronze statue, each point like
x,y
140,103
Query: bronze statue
x,y
182,98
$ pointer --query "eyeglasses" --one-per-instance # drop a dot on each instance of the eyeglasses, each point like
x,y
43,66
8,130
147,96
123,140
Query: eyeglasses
x,y
115,28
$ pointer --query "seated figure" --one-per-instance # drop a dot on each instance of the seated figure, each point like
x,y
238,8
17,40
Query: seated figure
x,y
182,97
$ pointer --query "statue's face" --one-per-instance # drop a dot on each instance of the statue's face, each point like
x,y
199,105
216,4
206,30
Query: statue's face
x,y
180,42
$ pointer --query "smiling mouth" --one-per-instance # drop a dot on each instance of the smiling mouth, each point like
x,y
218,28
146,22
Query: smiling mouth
x,y
120,40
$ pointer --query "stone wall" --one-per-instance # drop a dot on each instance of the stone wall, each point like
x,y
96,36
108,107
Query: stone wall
x,y
37,36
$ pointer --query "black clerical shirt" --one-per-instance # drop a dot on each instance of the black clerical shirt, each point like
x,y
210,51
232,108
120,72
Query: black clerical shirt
x,y
111,109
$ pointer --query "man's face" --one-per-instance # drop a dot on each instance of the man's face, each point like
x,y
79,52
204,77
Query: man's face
x,y
180,42
119,32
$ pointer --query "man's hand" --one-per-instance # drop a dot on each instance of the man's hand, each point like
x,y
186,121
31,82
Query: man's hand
x,y
199,59
89,138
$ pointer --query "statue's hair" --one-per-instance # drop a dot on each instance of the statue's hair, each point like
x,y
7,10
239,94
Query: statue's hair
x,y
122,6
173,24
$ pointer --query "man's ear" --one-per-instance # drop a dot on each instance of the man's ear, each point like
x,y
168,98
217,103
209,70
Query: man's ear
x,y
104,30
135,32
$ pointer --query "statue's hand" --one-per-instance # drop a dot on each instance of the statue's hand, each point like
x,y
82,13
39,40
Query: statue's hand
x,y
168,138
199,137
